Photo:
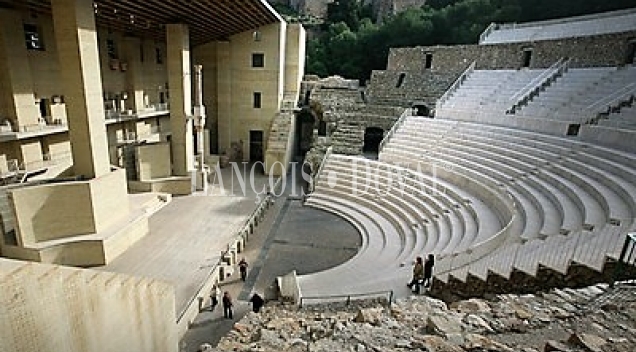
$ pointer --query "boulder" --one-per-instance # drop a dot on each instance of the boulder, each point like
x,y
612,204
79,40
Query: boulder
x,y
472,305
438,344
369,315
479,343
444,325
555,346
477,324
589,342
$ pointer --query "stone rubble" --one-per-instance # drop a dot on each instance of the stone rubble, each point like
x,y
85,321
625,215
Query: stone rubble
x,y
559,320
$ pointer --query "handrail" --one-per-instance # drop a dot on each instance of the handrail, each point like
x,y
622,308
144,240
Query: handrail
x,y
348,297
396,125
322,165
264,203
491,28
526,93
613,98
455,85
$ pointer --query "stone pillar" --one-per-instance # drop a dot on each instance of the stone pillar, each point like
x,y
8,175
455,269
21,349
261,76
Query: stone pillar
x,y
76,36
17,101
224,92
134,74
179,82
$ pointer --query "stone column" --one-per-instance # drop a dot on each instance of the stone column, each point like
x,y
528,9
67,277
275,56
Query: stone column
x,y
17,101
134,74
76,36
180,85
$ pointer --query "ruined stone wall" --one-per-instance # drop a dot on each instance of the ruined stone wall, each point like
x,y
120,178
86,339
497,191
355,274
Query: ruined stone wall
x,y
417,86
602,50
383,8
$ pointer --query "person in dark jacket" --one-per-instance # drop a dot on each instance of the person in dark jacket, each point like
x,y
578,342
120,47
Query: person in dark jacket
x,y
257,302
227,305
243,269
428,270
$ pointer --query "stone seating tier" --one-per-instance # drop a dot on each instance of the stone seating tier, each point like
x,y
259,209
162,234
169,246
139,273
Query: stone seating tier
x,y
604,23
604,186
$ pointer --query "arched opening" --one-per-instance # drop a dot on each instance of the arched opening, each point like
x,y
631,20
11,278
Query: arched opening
x,y
421,109
304,131
372,138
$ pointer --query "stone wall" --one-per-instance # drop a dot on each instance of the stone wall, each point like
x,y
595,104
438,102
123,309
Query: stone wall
x,y
53,308
416,86
602,50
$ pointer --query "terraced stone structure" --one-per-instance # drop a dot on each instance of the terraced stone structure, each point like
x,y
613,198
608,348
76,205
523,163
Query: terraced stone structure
x,y
522,177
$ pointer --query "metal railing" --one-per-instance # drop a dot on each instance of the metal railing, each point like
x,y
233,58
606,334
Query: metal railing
x,y
605,104
627,257
458,82
396,125
491,28
322,165
532,89
347,298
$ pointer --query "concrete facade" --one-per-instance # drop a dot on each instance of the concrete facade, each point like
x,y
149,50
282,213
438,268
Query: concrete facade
x,y
65,309
231,111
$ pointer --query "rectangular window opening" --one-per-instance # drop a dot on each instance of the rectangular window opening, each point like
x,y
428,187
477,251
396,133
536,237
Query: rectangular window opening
x,y
258,60
257,100
429,61
33,38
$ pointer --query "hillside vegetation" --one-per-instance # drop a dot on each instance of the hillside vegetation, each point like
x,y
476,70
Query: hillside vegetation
x,y
352,44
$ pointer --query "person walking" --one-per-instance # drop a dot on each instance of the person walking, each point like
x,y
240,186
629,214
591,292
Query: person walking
x,y
227,305
243,268
428,270
418,275
214,297
257,302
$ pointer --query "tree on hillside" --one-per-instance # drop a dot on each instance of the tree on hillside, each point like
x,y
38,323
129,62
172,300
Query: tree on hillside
x,y
352,45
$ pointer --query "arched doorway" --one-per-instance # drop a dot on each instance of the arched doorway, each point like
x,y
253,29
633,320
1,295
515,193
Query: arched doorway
x,y
421,109
304,131
372,138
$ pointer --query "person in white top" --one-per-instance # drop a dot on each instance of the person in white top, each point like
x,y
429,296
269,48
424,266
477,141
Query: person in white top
x,y
214,297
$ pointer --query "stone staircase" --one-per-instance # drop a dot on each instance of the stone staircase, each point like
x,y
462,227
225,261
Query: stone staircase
x,y
279,132
348,138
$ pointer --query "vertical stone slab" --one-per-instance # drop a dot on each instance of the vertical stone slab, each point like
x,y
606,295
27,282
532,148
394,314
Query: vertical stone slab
x,y
134,74
76,37
224,86
16,82
179,82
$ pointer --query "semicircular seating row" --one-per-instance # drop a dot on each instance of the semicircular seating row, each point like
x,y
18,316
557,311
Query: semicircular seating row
x,y
577,200
514,199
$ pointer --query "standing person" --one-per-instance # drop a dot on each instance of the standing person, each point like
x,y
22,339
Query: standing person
x,y
214,297
227,305
418,275
257,302
243,268
428,270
